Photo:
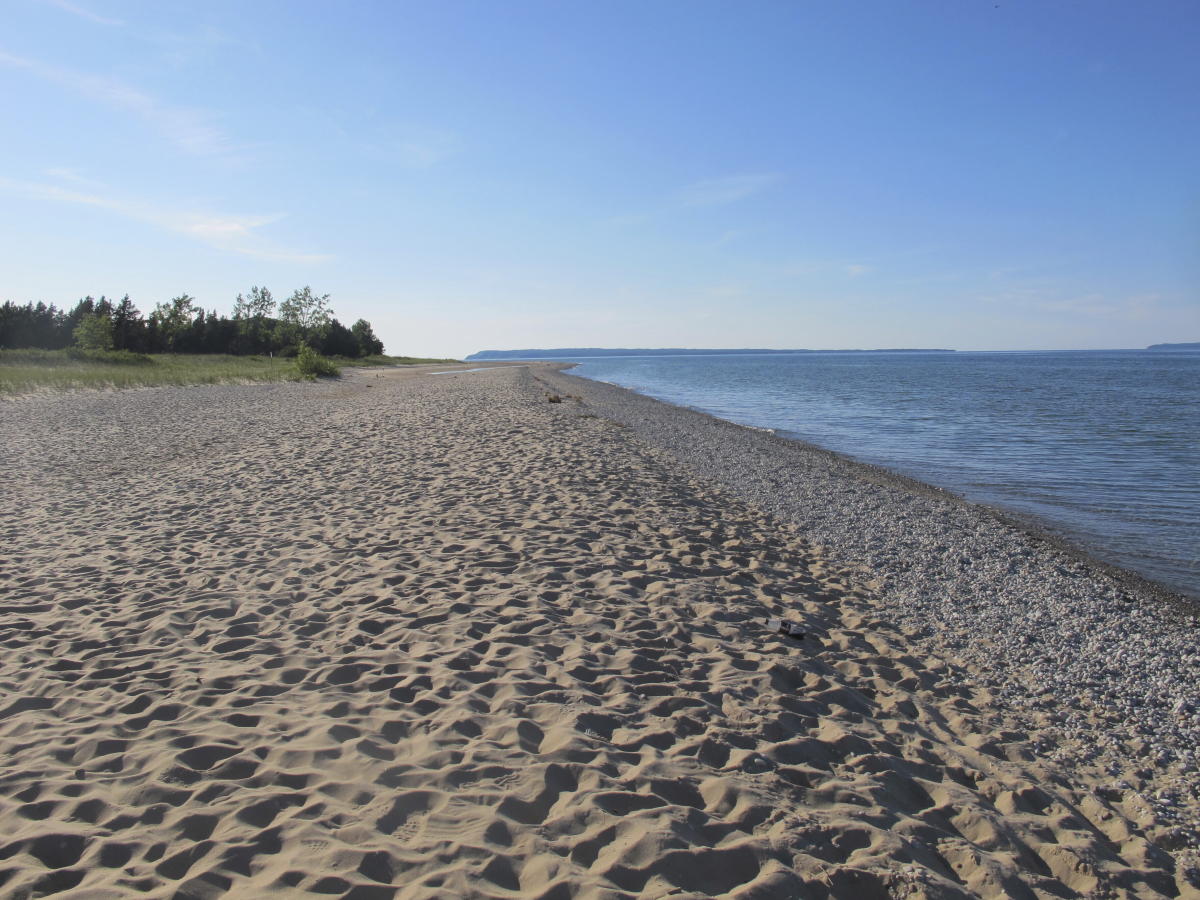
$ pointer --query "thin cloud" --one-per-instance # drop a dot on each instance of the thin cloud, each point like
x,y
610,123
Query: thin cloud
x,y
49,192
176,48
284,256
727,291
192,130
409,148
238,234
420,154
420,150
708,193
82,12
727,237
626,220
14,62
72,175
804,268
1135,307
180,49
1046,299
729,189
221,229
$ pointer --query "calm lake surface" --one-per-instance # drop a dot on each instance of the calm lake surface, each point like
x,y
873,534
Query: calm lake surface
x,y
1101,446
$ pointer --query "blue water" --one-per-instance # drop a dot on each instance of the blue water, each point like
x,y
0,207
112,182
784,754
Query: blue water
x,y
1100,446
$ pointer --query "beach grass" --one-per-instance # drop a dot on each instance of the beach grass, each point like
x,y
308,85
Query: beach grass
x,y
392,361
22,371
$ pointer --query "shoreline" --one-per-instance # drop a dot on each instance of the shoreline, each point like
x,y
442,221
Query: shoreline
x,y
971,584
1062,541
409,637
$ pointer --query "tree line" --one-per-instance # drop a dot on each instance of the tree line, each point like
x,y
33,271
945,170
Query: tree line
x,y
258,325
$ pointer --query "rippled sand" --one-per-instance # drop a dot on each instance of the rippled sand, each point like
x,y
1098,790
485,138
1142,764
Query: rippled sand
x,y
413,636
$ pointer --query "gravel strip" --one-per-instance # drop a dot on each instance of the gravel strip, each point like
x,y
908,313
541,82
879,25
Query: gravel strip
x,y
1102,664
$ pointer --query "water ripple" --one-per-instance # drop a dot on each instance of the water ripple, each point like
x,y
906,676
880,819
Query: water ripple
x,y
1103,446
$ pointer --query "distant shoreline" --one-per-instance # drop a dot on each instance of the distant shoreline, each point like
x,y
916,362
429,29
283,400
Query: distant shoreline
x,y
1169,347
558,353
600,352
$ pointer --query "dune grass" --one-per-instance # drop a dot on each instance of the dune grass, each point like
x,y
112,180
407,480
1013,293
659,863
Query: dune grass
x,y
392,361
22,371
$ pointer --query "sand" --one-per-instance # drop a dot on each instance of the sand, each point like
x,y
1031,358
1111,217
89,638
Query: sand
x,y
410,635
1099,664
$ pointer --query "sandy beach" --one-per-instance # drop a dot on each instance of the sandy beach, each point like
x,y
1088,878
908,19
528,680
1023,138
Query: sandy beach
x,y
406,635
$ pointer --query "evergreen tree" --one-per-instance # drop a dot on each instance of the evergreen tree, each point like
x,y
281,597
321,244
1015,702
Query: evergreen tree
x,y
338,340
127,326
179,326
368,344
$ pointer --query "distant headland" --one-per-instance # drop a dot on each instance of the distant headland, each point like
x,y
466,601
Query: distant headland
x,y
1193,346
560,352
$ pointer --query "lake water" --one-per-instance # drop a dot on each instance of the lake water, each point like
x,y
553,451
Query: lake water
x,y
1101,446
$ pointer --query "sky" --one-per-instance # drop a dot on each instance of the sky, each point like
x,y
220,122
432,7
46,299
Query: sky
x,y
1012,175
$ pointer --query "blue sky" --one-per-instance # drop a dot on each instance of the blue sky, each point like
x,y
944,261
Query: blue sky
x,y
470,175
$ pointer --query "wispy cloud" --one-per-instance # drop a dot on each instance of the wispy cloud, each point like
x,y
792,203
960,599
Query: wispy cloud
x,y
710,192
15,62
407,146
728,189
727,291
626,220
421,150
727,237
1134,307
82,12
805,268
74,176
174,47
192,130
180,49
231,233
1053,300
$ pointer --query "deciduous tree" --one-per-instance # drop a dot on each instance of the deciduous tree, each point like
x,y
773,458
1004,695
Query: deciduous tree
x,y
174,319
304,316
94,332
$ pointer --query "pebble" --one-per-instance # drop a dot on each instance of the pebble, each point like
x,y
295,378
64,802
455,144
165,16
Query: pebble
x,y
1031,618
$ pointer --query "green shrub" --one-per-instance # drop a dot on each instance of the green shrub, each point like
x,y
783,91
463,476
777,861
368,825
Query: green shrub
x,y
311,363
